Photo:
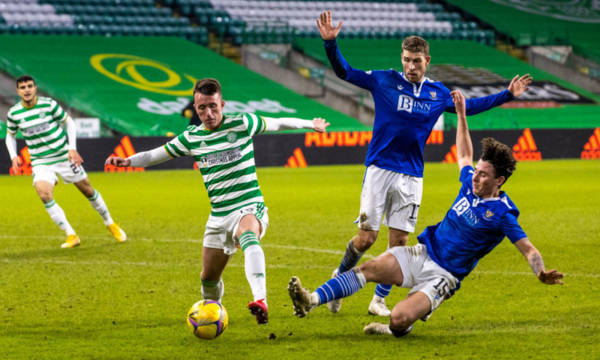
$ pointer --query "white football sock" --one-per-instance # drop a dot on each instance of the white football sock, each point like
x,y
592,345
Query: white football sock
x,y
254,264
99,205
58,216
213,289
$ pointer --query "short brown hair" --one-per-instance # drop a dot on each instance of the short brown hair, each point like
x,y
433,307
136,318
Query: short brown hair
x,y
24,78
500,156
415,44
207,86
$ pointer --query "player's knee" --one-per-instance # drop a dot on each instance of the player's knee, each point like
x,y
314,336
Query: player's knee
x,y
45,196
400,320
365,240
86,188
369,270
397,238
88,192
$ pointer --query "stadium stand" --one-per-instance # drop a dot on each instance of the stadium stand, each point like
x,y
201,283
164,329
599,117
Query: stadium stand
x,y
95,17
278,21
575,23
370,27
139,85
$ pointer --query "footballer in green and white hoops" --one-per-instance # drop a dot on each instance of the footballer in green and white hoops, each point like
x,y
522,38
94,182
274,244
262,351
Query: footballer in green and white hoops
x,y
223,150
50,136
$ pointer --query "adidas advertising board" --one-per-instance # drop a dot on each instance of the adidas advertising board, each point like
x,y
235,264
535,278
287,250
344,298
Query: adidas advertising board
x,y
308,149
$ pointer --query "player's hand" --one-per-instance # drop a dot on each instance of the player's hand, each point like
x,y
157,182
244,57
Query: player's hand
x,y
459,102
519,85
117,161
328,32
550,277
16,163
74,157
320,125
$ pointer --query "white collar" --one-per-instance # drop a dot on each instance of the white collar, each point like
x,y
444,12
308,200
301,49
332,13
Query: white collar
x,y
416,86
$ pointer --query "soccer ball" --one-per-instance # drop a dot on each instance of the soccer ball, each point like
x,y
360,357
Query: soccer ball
x,y
207,319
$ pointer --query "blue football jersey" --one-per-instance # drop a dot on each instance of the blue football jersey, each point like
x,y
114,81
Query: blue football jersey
x,y
471,228
405,112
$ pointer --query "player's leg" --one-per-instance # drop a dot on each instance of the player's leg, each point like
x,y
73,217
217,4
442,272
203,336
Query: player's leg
x,y
97,202
372,202
248,233
401,210
377,306
44,180
430,286
213,263
416,306
384,268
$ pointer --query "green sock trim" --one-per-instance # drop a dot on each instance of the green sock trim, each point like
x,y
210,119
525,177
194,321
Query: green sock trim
x,y
209,283
50,204
248,239
95,196
250,243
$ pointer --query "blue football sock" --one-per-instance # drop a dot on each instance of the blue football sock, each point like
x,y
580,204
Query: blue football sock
x,y
341,286
383,290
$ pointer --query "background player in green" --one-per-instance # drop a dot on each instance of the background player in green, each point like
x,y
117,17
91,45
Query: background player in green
x,y
222,148
50,136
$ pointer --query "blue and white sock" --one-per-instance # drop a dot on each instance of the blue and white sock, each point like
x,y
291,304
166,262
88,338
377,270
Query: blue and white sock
x,y
350,259
383,290
343,285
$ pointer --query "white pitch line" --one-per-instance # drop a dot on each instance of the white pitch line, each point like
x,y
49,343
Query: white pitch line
x,y
140,263
267,245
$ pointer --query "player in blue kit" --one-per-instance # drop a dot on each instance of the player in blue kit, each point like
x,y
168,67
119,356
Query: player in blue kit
x,y
407,105
479,219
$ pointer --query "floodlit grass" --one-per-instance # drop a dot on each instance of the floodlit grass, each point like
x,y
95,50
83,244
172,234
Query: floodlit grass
x,y
105,300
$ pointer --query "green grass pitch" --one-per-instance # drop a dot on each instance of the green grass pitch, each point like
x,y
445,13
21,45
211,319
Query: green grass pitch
x,y
105,300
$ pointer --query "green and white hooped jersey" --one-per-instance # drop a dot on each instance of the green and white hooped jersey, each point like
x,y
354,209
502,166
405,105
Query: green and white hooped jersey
x,y
40,125
225,157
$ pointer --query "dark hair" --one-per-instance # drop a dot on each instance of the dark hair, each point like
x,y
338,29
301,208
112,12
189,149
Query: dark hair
x,y
416,44
24,78
500,156
207,86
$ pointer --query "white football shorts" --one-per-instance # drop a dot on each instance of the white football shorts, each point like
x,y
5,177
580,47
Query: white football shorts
x,y
220,230
424,275
69,172
396,195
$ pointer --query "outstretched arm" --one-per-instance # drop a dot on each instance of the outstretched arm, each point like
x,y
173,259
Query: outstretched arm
x,y
464,146
340,66
516,88
276,124
143,159
534,258
328,34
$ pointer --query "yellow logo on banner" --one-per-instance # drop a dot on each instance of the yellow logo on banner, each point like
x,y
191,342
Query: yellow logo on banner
x,y
131,65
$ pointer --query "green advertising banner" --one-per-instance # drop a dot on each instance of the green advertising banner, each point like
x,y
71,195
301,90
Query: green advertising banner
x,y
139,85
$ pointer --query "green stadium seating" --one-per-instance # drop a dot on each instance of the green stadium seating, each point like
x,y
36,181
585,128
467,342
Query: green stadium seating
x,y
542,25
